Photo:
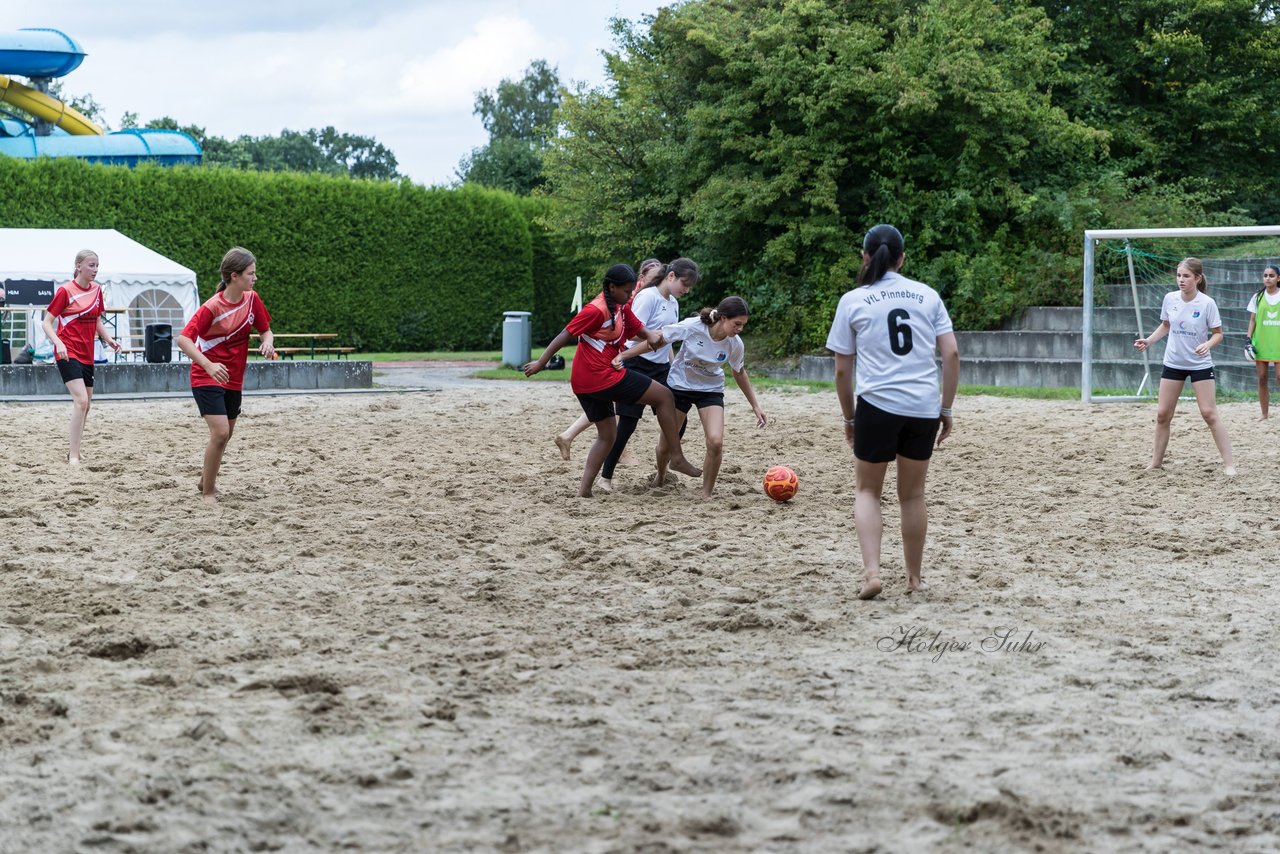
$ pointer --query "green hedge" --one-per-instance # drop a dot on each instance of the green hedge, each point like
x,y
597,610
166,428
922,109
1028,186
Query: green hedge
x,y
388,266
554,274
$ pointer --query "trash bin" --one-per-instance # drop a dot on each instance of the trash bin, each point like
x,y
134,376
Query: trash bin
x,y
516,338
6,354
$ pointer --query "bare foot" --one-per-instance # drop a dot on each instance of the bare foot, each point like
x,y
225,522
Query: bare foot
x,y
628,459
564,445
209,499
683,466
604,484
72,462
1155,466
871,587
657,478
1262,417
918,587
1229,471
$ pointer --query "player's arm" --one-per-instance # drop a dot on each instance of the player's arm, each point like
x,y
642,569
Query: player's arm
x,y
1214,340
645,345
1159,332
267,343
217,372
104,335
844,391
49,325
950,352
744,382
541,362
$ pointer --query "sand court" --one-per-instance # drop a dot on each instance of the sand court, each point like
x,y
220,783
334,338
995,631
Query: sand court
x,y
400,630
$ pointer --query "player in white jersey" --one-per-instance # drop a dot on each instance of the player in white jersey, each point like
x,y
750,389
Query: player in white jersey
x,y
709,341
1189,316
889,328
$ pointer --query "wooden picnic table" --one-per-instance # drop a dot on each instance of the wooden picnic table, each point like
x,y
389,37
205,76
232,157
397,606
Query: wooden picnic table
x,y
311,338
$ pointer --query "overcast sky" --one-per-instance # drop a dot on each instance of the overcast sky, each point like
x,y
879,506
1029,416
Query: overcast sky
x,y
403,72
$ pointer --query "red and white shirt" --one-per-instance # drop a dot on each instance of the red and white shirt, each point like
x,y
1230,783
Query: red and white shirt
x,y
600,338
77,310
221,330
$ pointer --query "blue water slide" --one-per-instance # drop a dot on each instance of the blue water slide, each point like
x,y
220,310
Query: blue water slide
x,y
43,53
124,148
39,53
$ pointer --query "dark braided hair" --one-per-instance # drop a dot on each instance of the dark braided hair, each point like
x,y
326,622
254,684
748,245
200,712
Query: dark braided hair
x,y
618,274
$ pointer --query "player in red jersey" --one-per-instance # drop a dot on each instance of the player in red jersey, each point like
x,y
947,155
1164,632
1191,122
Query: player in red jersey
x,y
76,311
216,340
603,325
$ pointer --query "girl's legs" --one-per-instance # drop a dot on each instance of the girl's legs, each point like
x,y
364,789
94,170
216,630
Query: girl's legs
x,y
712,418
869,522
1206,399
663,456
1264,390
220,430
606,432
1165,405
626,426
80,399
664,406
915,516
565,440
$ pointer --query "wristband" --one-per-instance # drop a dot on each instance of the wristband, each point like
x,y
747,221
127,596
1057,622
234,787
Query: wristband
x,y
848,422
944,412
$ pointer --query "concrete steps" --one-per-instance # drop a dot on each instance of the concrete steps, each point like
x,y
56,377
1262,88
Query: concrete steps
x,y
1042,348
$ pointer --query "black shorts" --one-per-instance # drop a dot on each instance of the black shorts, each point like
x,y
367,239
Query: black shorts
x,y
599,404
879,436
686,399
73,369
216,400
656,371
1180,375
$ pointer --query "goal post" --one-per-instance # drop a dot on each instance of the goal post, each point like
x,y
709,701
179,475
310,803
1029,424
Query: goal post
x,y
1127,272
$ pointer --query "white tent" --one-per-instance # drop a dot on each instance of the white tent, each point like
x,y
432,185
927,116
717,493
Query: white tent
x,y
148,286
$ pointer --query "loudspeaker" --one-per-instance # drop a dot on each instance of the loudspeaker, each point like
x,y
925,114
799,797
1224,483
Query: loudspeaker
x,y
158,342
6,354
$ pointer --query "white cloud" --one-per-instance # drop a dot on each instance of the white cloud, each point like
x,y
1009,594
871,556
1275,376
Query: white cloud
x,y
447,80
402,71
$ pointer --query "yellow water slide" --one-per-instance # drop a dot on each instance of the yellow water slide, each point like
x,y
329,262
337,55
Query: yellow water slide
x,y
43,107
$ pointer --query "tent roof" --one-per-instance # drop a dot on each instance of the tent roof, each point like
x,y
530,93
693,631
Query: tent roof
x,y
49,253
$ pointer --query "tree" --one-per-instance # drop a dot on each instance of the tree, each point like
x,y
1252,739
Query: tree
x,y
762,138
325,151
520,118
1187,89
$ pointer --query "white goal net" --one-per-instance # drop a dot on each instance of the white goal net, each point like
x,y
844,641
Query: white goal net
x,y
1127,272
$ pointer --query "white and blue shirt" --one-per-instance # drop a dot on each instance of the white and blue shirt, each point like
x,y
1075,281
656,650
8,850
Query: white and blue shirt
x,y
1190,325
892,326
699,364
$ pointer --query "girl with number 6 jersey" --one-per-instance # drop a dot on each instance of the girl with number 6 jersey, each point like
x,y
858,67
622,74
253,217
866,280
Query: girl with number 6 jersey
x,y
890,327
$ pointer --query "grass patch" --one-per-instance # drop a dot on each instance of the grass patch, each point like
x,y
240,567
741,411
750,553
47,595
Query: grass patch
x,y
467,356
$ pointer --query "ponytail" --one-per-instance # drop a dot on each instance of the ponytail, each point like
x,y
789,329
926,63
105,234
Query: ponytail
x,y
237,260
728,308
882,248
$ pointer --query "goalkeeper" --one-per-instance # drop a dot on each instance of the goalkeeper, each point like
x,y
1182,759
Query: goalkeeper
x,y
1264,334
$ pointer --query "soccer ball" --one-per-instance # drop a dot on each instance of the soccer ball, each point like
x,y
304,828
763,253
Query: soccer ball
x,y
780,483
